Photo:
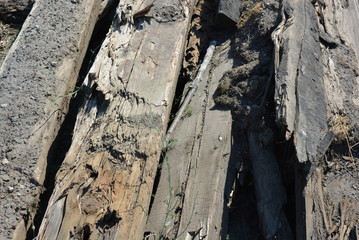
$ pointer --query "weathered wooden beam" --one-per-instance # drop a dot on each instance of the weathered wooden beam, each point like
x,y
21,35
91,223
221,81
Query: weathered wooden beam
x,y
41,66
318,65
270,193
300,94
189,201
228,13
104,186
192,90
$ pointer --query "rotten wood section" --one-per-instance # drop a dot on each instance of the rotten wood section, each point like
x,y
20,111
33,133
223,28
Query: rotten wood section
x,y
315,78
104,186
41,66
331,207
300,94
189,201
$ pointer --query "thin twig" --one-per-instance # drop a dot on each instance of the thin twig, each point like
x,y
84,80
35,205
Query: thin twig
x,y
47,119
193,88
356,144
143,12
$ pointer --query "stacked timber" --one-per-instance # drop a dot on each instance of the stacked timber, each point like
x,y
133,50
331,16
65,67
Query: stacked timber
x,y
103,189
266,147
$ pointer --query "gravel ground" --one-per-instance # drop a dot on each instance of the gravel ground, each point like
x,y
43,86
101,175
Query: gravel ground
x,y
31,102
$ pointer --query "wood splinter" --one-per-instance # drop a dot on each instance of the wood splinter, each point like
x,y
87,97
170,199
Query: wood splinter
x,y
193,88
143,12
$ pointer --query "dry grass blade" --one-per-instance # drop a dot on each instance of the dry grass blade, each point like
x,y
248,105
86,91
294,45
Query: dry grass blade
x,y
340,127
346,219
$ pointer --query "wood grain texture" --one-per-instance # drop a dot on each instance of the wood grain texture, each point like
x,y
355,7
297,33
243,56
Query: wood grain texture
x,y
189,201
300,94
105,183
314,84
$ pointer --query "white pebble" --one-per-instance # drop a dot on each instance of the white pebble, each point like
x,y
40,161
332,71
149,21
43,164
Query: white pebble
x,y
10,189
5,161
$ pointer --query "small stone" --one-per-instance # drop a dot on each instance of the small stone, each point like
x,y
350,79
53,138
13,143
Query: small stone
x,y
5,161
23,212
4,105
220,138
10,189
13,119
5,177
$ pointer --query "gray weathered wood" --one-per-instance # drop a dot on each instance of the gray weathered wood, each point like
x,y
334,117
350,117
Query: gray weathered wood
x,y
192,90
189,201
314,81
108,174
228,13
300,98
270,192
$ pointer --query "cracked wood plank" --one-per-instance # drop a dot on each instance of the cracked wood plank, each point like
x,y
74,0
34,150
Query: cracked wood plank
x,y
270,193
189,201
105,183
340,64
300,94
301,104
314,84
